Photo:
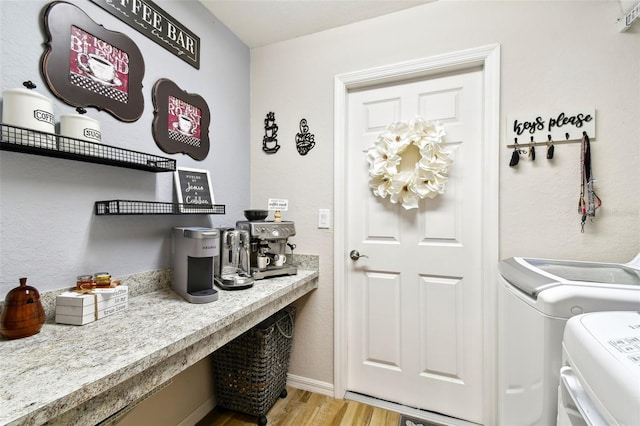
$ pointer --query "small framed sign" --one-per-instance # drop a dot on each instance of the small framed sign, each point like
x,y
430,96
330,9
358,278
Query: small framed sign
x,y
278,204
193,187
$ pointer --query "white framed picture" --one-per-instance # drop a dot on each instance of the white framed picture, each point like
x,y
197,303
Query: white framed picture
x,y
194,190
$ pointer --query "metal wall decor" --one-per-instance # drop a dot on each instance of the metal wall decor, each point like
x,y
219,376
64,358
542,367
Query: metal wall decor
x,y
305,141
270,138
86,65
181,120
151,20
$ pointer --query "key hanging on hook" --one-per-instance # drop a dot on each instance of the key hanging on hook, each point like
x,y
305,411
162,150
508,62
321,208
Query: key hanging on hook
x,y
532,150
515,156
550,148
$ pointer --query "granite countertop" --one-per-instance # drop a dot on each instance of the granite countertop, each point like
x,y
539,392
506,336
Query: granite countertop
x,y
88,373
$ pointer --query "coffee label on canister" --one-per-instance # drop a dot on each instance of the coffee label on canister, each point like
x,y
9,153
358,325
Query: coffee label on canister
x,y
43,116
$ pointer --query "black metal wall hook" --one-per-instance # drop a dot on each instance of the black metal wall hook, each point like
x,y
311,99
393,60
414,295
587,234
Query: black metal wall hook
x,y
516,146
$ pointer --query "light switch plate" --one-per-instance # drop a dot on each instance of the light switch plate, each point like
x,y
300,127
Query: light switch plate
x,y
324,218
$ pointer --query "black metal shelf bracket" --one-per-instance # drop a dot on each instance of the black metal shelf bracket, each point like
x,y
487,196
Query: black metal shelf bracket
x,y
18,139
28,141
133,207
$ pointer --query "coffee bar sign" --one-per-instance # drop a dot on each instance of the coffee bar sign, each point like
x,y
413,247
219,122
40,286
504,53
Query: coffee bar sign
x,y
152,21
565,124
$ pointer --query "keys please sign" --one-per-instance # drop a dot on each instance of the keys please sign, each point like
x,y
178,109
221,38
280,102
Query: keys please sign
x,y
566,124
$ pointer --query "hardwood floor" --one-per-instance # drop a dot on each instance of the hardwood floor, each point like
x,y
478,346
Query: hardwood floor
x,y
303,408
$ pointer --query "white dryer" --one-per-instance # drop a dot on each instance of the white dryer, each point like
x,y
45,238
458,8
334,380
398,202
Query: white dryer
x,y
600,377
536,297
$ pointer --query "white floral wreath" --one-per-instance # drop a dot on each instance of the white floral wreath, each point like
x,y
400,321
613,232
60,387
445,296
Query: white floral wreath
x,y
429,174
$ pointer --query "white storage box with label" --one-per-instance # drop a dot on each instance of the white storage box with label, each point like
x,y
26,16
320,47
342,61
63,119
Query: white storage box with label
x,y
80,308
28,109
75,128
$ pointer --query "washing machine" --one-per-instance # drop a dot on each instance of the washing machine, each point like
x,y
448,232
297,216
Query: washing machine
x,y
600,376
536,297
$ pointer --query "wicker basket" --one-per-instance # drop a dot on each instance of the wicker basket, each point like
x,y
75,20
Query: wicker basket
x,y
251,370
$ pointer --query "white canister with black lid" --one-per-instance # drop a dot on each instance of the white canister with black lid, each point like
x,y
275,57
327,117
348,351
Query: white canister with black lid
x,y
75,128
27,109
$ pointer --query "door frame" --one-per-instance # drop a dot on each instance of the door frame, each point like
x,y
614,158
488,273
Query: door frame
x,y
488,58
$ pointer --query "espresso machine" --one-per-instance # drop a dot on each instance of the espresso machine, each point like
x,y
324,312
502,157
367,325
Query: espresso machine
x,y
196,255
269,241
234,272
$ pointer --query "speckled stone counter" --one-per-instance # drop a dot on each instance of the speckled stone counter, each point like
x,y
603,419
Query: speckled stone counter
x,y
84,374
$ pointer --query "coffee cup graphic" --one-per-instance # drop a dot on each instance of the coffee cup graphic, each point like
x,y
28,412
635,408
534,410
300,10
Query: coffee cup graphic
x,y
186,125
97,67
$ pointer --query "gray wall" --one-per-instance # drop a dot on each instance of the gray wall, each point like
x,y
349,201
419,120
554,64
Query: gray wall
x,y
48,231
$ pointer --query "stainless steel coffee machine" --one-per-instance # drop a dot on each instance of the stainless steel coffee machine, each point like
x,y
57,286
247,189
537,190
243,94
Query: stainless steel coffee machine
x,y
234,272
269,242
196,253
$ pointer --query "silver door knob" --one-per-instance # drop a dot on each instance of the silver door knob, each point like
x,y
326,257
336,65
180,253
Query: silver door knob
x,y
355,255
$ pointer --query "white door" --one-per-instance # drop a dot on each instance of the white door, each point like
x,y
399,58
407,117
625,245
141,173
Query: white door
x,y
414,305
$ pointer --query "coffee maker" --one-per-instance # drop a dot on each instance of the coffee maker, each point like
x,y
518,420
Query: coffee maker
x,y
269,240
196,255
234,272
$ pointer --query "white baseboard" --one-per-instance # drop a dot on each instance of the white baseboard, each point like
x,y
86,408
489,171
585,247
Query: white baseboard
x,y
311,385
199,412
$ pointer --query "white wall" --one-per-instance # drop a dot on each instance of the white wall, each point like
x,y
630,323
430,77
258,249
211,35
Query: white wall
x,y
48,231
554,55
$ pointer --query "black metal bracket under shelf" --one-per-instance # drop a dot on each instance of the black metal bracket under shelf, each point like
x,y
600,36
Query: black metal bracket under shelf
x,y
28,141
132,207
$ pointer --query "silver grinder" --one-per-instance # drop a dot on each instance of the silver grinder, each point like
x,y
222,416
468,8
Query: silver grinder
x,y
234,272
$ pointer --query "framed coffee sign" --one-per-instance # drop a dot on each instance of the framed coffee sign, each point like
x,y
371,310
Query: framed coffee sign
x,y
193,188
151,20
87,65
181,120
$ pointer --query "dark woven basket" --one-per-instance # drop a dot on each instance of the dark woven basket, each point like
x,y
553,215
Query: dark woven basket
x,y
251,370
